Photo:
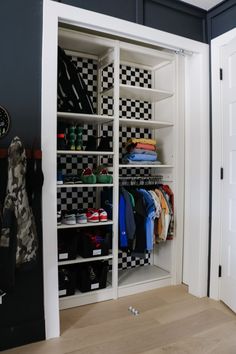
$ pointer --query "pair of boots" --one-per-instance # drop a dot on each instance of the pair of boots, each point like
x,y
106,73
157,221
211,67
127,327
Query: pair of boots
x,y
75,141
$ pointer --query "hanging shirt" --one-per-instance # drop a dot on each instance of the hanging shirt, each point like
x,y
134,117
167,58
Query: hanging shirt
x,y
164,221
122,224
151,214
129,218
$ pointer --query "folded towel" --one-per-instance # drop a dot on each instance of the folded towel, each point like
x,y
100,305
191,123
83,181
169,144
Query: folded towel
x,y
140,146
142,151
142,141
140,157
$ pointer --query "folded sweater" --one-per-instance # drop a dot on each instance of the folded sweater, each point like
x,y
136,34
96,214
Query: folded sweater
x,y
143,151
140,157
142,141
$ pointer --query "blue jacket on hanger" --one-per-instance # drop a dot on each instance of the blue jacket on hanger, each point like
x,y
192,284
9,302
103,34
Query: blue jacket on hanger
x,y
151,213
122,223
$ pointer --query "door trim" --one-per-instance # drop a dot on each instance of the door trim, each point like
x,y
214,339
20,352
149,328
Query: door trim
x,y
216,46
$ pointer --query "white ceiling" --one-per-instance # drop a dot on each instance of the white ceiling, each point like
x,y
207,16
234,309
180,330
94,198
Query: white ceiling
x,y
204,4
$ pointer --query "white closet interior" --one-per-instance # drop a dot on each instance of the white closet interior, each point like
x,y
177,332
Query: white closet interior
x,y
160,119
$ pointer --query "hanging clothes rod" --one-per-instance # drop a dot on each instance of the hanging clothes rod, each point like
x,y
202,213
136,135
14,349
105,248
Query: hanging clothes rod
x,y
140,181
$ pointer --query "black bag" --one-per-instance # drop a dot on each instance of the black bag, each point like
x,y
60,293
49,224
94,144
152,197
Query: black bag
x,y
72,92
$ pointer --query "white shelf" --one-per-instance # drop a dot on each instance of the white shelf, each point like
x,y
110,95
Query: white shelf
x,y
86,153
141,123
84,260
81,185
136,56
88,224
144,166
139,93
85,118
140,275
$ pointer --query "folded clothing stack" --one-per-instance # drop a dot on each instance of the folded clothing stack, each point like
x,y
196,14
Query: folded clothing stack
x,y
141,151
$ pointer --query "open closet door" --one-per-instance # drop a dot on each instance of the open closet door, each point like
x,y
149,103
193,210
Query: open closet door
x,y
228,205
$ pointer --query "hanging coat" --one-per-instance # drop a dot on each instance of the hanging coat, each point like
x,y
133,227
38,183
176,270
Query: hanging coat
x,y
18,237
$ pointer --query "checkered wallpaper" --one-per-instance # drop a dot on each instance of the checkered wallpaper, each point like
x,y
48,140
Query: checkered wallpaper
x,y
73,198
126,261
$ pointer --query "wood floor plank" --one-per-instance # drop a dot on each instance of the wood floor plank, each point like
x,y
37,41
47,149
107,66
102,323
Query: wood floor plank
x,y
171,321
154,337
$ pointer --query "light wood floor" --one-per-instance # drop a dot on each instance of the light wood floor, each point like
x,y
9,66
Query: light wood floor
x,y
170,321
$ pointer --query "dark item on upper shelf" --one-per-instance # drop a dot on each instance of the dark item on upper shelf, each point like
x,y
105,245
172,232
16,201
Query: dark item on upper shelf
x,y
67,281
91,144
72,92
105,144
67,244
92,276
93,243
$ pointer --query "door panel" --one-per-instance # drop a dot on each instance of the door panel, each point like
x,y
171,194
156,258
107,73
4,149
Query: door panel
x,y
228,229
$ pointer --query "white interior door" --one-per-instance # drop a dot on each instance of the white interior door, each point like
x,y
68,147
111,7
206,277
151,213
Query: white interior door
x,y
228,207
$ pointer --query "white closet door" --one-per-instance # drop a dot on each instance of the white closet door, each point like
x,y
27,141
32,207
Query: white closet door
x,y
228,230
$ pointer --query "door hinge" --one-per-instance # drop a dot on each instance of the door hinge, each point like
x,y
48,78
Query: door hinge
x,y
221,74
220,271
221,173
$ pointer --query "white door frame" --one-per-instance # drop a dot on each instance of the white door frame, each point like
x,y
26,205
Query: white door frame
x,y
216,46
197,142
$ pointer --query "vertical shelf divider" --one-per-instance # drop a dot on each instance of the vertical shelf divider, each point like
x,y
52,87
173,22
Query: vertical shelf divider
x,y
116,168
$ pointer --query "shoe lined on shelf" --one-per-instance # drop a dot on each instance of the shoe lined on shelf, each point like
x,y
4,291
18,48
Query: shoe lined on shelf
x,y
81,217
92,215
69,218
88,176
60,179
102,215
72,179
59,217
102,175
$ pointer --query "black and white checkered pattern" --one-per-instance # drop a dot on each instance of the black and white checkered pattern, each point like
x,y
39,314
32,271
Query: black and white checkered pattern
x,y
73,198
126,261
135,76
107,77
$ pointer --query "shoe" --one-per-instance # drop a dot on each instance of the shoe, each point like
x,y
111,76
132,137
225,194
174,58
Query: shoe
x,y
81,217
60,179
103,175
68,179
69,218
88,176
59,217
72,138
102,215
92,215
79,139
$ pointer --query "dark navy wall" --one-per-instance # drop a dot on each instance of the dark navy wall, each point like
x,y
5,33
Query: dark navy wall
x,y
221,18
171,16
22,313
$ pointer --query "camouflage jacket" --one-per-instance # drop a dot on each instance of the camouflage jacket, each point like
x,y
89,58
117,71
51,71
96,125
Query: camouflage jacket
x,y
18,237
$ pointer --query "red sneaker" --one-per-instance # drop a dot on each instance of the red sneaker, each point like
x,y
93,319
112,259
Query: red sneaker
x,y
92,215
102,215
